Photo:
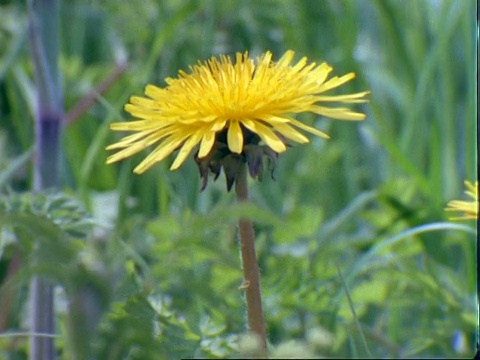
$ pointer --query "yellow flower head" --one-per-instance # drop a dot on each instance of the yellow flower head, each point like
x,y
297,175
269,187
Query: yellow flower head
x,y
240,104
469,208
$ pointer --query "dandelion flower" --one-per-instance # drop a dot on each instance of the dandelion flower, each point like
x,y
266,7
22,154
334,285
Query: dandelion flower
x,y
469,208
227,111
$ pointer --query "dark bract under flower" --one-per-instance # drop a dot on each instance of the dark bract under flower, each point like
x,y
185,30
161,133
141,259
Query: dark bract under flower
x,y
221,157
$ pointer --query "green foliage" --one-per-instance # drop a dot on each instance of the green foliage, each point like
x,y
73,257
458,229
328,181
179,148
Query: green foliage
x,y
355,258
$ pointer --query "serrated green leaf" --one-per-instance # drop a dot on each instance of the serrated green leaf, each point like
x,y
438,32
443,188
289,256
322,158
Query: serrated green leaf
x,y
301,221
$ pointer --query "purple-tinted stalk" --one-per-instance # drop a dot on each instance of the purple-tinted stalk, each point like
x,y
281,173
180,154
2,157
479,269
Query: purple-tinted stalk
x,y
44,47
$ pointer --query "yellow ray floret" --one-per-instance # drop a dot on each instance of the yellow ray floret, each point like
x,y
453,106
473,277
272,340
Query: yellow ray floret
x,y
468,208
218,95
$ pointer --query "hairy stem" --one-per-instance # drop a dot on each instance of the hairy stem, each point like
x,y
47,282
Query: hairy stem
x,y
251,274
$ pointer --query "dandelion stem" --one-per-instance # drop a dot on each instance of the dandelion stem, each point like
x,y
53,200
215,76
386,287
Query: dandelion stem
x,y
256,322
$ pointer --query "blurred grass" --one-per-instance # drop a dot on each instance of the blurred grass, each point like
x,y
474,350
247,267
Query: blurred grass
x,y
334,201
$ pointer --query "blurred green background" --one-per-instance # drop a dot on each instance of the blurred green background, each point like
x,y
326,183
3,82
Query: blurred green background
x,y
352,223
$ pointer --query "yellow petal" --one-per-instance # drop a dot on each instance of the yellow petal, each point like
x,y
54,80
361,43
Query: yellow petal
x,y
186,149
274,119
218,125
320,73
161,152
336,82
310,129
267,135
301,64
139,125
286,58
144,102
155,92
350,98
337,113
207,143
144,138
125,153
291,133
235,137
142,112
472,189
128,140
